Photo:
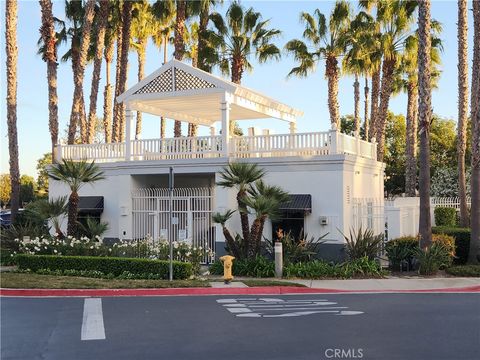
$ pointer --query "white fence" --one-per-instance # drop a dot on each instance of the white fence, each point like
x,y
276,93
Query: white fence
x,y
191,216
281,145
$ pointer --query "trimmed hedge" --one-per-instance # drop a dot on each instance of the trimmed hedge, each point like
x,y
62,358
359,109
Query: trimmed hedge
x,y
462,241
445,216
258,267
106,265
464,271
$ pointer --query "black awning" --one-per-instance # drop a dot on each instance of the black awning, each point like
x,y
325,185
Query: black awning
x,y
90,205
297,203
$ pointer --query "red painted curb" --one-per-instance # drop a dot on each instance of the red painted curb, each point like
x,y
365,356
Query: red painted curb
x,y
266,290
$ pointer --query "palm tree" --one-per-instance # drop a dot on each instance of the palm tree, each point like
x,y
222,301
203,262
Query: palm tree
x,y
179,34
53,210
425,118
240,175
394,19
329,42
119,132
264,200
206,53
474,254
11,68
49,55
191,52
462,26
76,116
222,218
241,35
408,81
117,111
75,174
101,28
112,25
143,27
164,12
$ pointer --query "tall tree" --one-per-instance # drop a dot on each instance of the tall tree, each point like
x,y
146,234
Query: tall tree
x,y
117,111
181,15
49,55
143,27
474,254
108,55
425,118
122,74
462,26
76,114
11,69
394,19
101,28
328,41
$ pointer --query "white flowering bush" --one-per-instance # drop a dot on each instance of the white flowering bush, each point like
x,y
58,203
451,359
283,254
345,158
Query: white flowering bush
x,y
143,248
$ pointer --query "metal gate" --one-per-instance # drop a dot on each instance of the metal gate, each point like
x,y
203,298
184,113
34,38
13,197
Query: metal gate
x,y
191,216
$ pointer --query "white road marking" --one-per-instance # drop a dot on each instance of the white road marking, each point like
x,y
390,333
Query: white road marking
x,y
263,307
92,324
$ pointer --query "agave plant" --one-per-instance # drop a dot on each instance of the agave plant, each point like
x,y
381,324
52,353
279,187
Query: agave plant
x,y
363,243
93,228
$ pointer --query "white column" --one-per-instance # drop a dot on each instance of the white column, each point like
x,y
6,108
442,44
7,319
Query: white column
x,y
225,110
293,127
334,140
128,132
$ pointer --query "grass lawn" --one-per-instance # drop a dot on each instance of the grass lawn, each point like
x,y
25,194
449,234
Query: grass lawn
x,y
255,282
36,281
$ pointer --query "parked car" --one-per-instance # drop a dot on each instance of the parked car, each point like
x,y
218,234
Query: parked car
x,y
6,218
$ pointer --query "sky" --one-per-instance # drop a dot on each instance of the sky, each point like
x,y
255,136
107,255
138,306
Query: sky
x,y
306,94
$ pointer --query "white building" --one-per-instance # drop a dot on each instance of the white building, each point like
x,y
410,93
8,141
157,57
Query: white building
x,y
326,173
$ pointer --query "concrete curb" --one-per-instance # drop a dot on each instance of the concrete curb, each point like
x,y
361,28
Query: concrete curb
x,y
265,290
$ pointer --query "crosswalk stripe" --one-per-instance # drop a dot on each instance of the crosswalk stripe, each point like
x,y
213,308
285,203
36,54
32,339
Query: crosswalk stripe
x,y
92,324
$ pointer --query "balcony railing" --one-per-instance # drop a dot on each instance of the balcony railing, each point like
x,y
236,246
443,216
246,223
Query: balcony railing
x,y
263,146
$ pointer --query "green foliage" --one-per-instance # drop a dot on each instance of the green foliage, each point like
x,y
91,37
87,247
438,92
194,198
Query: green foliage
x,y
363,243
7,257
76,173
42,179
401,250
259,266
395,158
464,271
445,216
318,269
93,228
433,258
462,241
105,265
297,250
444,182
28,188
5,189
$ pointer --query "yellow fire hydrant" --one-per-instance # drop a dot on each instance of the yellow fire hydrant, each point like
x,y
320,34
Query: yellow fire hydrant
x,y
227,267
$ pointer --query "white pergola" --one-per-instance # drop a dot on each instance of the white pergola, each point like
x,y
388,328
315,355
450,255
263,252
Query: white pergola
x,y
182,92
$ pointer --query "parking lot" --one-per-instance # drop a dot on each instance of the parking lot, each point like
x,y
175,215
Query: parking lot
x,y
368,326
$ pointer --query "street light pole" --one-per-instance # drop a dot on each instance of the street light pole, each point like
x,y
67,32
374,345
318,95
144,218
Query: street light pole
x,y
170,230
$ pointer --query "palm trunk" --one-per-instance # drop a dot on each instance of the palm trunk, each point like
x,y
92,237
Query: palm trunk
x,y
50,56
107,93
237,70
425,116
243,217
462,109
97,68
202,38
76,115
356,111
411,148
258,239
126,33
179,47
163,127
474,254
252,242
366,123
72,214
232,246
117,117
331,72
141,74
381,117
374,106
11,69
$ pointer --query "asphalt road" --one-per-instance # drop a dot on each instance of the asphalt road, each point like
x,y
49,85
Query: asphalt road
x,y
373,326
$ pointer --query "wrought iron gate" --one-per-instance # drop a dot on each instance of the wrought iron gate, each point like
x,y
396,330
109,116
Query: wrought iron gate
x,y
191,216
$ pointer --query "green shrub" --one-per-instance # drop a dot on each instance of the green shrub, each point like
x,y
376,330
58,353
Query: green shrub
x,y
260,266
462,241
105,265
6,257
301,249
433,258
363,243
401,250
464,271
319,269
445,216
